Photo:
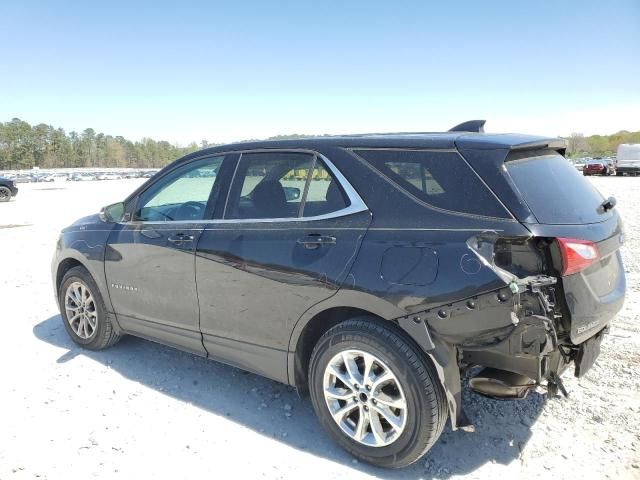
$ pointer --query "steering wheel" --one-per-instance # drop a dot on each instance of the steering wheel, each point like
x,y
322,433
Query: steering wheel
x,y
151,213
190,210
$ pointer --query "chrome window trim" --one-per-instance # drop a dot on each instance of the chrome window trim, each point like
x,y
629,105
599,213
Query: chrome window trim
x,y
356,204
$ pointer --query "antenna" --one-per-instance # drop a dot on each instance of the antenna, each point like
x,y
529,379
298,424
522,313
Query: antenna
x,y
470,126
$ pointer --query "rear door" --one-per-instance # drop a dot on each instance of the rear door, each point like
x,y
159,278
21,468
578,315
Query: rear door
x,y
565,205
284,241
149,262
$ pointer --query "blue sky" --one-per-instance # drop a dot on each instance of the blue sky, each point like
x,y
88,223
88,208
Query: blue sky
x,y
224,71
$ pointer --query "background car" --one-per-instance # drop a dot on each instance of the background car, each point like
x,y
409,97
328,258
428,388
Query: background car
x,y
579,165
108,176
82,177
8,189
596,167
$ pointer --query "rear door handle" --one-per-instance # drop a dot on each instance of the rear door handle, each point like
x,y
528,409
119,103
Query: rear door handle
x,y
180,238
314,240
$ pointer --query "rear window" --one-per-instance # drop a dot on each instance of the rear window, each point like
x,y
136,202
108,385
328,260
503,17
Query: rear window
x,y
441,179
554,190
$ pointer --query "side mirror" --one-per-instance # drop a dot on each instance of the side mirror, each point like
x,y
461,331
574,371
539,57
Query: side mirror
x,y
112,213
291,193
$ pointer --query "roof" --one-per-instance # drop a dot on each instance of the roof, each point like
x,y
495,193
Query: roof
x,y
446,140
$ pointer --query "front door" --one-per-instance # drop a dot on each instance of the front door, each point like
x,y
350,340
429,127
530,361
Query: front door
x,y
288,236
149,261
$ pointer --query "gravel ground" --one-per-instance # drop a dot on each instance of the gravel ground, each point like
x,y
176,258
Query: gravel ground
x,y
145,409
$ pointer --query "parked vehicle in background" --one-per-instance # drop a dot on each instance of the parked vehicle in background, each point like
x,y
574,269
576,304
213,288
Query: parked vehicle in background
x,y
628,159
54,177
24,178
579,164
8,189
354,268
82,177
597,167
109,176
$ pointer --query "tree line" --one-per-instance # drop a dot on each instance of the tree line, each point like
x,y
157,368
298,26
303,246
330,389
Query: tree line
x,y
598,145
24,146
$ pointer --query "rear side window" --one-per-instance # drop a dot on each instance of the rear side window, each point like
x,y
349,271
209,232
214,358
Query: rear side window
x,y
441,179
554,190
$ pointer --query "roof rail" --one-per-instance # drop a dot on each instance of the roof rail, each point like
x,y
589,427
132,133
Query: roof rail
x,y
470,126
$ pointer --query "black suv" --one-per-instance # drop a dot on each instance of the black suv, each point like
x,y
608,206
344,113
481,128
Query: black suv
x,y
8,189
367,269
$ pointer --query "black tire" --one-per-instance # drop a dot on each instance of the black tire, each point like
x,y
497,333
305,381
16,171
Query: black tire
x,y
619,174
105,334
427,409
585,174
5,194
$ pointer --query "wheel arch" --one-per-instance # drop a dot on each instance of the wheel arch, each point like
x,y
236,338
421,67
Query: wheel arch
x,y
63,267
300,353
74,259
320,318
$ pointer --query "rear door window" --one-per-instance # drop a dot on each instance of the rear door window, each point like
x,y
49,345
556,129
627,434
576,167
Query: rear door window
x,y
441,179
269,185
555,192
324,194
283,185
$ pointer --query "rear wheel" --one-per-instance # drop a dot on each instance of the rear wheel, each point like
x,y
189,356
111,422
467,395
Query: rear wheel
x,y
84,314
375,393
5,194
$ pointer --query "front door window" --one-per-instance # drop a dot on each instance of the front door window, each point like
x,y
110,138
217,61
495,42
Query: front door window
x,y
182,195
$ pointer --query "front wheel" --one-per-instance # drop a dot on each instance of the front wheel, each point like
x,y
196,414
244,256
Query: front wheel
x,y
376,393
83,311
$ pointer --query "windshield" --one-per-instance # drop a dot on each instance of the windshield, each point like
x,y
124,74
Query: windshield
x,y
555,192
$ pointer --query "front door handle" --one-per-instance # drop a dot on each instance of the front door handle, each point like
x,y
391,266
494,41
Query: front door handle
x,y
150,233
314,240
180,238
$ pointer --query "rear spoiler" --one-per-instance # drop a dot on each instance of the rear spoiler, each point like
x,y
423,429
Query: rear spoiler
x,y
557,144
477,126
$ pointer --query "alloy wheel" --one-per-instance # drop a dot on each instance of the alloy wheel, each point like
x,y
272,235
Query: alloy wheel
x,y
81,310
365,398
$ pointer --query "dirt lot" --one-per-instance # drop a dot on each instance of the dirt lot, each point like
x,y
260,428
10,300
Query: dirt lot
x,y
147,410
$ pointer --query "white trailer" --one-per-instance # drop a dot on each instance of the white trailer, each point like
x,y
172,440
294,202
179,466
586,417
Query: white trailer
x,y
628,159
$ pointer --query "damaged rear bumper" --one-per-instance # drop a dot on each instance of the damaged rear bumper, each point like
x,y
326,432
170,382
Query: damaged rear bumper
x,y
512,332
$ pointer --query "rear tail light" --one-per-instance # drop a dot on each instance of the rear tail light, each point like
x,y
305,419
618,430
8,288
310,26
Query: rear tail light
x,y
576,254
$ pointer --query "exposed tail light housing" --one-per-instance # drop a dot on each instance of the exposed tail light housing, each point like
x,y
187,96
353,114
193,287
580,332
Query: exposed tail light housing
x,y
576,254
